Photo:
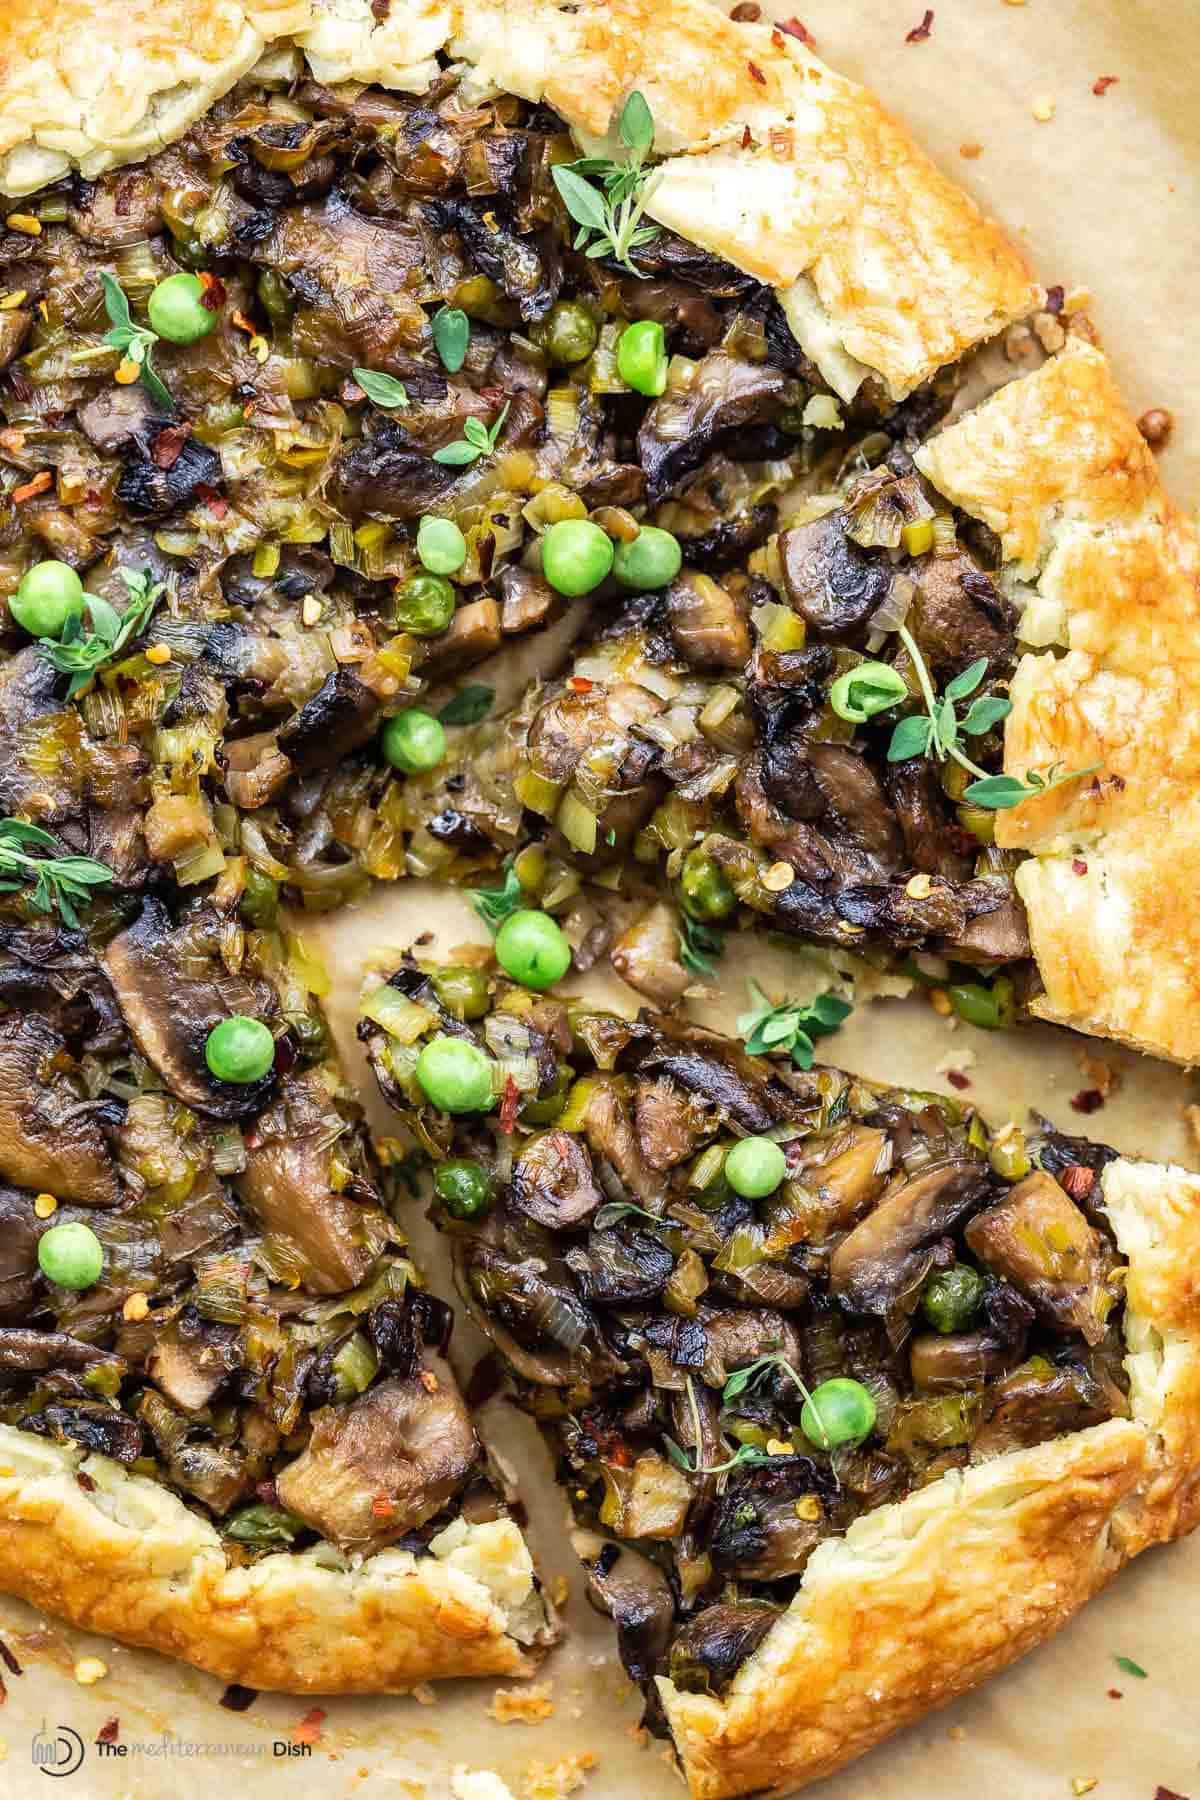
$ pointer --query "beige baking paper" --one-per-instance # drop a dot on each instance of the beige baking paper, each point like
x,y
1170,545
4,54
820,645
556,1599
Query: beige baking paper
x,y
1105,195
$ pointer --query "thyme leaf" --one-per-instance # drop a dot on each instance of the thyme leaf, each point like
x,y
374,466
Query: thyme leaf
x,y
135,342
494,905
700,947
477,440
79,653
790,1027
59,883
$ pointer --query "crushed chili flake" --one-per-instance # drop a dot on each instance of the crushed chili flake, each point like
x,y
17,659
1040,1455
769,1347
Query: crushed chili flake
x,y
267,1492
109,1732
308,1731
1078,1181
1078,865
920,32
957,1079
509,1106
245,324
85,1481
382,1507
217,505
1102,83
213,297
380,10
1166,1793
237,1698
579,684
168,446
1087,1100
795,29
38,485
747,139
756,74
970,151
9,1660
1115,1694
747,13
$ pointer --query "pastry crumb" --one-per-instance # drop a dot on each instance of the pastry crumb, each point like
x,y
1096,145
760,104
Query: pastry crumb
x,y
1049,333
1043,107
970,151
1083,1784
522,1706
424,1694
89,1670
552,1781
1019,343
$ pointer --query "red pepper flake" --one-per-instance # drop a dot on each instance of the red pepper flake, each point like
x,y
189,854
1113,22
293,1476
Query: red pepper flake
x,y
85,1481
795,29
308,1731
1078,1181
217,506
747,139
168,446
510,1105
1079,866
109,1732
382,1508
9,1660
579,684
267,1492
1102,84
27,490
245,324
1055,299
1115,1694
1087,1100
213,297
1163,1793
957,1079
920,32
756,74
747,13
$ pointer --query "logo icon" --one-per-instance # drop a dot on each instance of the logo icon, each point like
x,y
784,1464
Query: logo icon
x,y
59,1755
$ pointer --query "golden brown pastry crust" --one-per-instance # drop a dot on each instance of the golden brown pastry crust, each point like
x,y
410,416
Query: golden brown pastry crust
x,y
122,1556
775,162
1111,570
921,1601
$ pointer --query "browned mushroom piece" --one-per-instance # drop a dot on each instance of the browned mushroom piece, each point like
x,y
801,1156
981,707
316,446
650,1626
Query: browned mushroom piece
x,y
709,627
173,988
612,1135
50,1137
647,956
880,1265
634,1593
191,1358
384,1464
1037,1238
669,1123
833,584
554,1183
329,1237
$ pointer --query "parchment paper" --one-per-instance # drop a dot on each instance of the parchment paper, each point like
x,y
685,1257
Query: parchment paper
x,y
1106,195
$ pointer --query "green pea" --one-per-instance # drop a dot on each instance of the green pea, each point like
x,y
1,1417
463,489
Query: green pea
x,y
642,357
533,948
705,892
840,1411
461,990
990,1008
441,546
951,1296
652,560
50,593
464,1188
413,740
576,556
424,605
176,311
71,1255
569,333
755,1167
240,1049
455,1076
871,688
260,900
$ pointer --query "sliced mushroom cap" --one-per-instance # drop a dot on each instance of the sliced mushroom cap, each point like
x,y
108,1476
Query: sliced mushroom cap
x,y
769,1521
620,1267
553,1181
647,956
612,1136
709,627
173,989
679,429
1041,1400
714,1644
958,614
993,937
212,1472
879,1266
717,1074
635,1595
1039,1240
669,1123
534,1317
737,1337
833,584
339,718
957,1363
103,1429
382,1465
37,1350
191,1358
20,1229
332,1240
50,1139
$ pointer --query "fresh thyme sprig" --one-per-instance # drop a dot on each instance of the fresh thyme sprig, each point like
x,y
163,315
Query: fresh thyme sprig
x,y
937,732
60,882
700,947
477,440
689,1460
135,342
79,654
755,1373
494,905
790,1027
610,221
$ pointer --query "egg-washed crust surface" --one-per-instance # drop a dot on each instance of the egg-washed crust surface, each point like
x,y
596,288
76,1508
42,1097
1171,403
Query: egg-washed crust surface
x,y
789,171
1110,569
921,1601
118,1554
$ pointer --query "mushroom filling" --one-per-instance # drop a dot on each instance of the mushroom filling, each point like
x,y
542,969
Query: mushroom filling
x,y
307,491
250,1330
748,1303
